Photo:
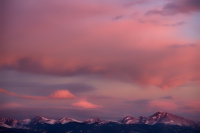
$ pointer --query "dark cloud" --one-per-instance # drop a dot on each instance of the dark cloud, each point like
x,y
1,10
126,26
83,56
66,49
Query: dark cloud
x,y
175,24
94,97
141,102
34,65
176,7
141,21
190,106
118,17
187,107
11,84
193,108
183,45
168,97
131,3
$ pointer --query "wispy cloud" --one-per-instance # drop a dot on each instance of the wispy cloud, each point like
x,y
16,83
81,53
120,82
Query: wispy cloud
x,y
183,45
7,92
135,2
175,24
168,97
59,94
11,105
190,105
140,102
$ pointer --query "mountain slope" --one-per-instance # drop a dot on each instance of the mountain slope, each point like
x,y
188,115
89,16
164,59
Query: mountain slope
x,y
169,119
129,120
157,118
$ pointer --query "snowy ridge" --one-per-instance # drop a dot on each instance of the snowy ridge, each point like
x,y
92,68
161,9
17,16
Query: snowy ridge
x,y
129,120
109,121
92,121
5,125
9,123
42,120
67,120
157,118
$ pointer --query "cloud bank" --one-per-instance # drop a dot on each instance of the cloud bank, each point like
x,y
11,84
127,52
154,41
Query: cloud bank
x,y
168,67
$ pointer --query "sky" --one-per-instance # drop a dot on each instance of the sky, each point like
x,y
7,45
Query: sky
x,y
99,58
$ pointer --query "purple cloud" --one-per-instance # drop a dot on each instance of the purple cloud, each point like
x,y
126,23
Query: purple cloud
x,y
176,24
176,7
168,97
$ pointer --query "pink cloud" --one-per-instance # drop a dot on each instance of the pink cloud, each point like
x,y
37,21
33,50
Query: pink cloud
x,y
85,104
7,92
166,68
11,105
59,94
124,50
62,94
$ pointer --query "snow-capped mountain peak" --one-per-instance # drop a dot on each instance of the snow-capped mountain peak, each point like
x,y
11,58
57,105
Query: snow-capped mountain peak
x,y
130,120
42,120
8,122
25,121
93,120
67,120
169,119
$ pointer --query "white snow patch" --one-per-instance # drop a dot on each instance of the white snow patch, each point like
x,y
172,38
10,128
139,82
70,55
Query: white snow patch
x,y
51,121
5,125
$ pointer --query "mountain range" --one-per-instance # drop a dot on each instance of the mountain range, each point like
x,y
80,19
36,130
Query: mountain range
x,y
39,123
